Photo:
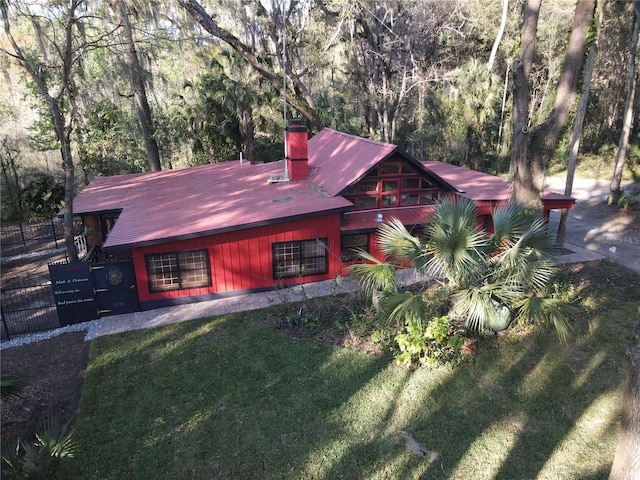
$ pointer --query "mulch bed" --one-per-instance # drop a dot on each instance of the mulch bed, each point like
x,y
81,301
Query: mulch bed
x,y
53,371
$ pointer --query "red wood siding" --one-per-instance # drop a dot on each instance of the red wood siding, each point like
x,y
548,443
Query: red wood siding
x,y
242,260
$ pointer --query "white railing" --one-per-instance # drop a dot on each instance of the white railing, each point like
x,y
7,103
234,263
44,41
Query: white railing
x,y
80,242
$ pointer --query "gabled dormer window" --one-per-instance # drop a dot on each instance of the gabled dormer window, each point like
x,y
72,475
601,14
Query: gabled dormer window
x,y
391,184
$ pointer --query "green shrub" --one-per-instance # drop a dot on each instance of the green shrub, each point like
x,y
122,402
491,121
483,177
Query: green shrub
x,y
437,342
35,460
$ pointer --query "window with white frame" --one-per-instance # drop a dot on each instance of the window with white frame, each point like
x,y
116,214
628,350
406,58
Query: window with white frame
x,y
178,270
300,258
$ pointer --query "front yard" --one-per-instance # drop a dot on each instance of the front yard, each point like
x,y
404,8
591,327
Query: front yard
x,y
232,397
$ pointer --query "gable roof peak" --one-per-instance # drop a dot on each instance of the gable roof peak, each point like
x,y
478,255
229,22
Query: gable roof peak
x,y
337,159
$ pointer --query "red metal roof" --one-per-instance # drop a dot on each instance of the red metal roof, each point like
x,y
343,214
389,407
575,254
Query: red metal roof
x,y
337,159
480,186
471,183
182,203
367,220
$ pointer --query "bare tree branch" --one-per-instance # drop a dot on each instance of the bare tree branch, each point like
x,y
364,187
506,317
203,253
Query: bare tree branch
x,y
199,14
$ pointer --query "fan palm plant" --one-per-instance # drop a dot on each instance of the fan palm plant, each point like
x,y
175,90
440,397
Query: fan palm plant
x,y
54,442
492,278
11,385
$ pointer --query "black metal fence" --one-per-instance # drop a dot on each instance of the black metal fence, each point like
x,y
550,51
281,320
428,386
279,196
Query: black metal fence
x,y
28,306
18,238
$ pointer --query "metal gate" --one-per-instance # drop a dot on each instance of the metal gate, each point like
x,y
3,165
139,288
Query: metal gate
x,y
85,291
115,288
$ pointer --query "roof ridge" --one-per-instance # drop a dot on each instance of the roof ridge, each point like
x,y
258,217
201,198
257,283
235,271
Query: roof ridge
x,y
362,139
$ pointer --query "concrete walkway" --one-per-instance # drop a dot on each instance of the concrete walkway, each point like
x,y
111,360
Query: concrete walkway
x,y
591,227
240,303
253,301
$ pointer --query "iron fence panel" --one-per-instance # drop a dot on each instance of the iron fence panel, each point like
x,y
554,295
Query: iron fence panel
x,y
28,305
17,238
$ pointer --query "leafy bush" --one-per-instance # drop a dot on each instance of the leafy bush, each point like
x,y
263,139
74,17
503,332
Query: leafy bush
x,y
23,459
491,278
629,200
43,194
439,342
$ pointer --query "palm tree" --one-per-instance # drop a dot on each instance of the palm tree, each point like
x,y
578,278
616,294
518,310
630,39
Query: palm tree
x,y
478,93
490,279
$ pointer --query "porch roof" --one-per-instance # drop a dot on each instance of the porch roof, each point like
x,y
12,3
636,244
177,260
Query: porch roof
x,y
482,187
367,220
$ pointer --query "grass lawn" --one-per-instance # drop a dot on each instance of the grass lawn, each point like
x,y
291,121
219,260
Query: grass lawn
x,y
230,397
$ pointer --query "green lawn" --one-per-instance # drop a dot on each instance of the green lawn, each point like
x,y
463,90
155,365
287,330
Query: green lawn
x,y
229,397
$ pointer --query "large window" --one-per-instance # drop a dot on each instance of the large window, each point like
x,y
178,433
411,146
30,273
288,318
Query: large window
x,y
391,184
178,270
352,244
300,258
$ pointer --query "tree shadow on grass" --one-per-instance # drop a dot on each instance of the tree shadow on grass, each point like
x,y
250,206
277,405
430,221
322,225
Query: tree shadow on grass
x,y
221,398
523,415
230,398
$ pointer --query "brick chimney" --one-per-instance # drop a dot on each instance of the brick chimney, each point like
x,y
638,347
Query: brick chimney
x,y
297,151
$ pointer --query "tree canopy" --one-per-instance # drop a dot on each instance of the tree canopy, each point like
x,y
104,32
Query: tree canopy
x,y
166,84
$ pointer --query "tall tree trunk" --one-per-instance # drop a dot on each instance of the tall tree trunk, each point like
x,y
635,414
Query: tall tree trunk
x,y
519,168
626,463
623,144
496,43
248,131
577,128
139,90
529,172
63,126
63,132
545,137
8,157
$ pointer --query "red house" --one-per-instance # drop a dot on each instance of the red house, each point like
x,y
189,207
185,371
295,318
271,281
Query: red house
x,y
221,229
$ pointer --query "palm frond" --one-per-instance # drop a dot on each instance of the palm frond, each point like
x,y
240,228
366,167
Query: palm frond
x,y
56,440
480,309
374,277
395,241
528,260
547,310
35,460
11,456
11,385
456,255
458,213
456,245
527,274
404,308
508,222
536,240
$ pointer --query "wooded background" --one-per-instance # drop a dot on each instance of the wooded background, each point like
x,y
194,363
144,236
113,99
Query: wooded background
x,y
158,84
